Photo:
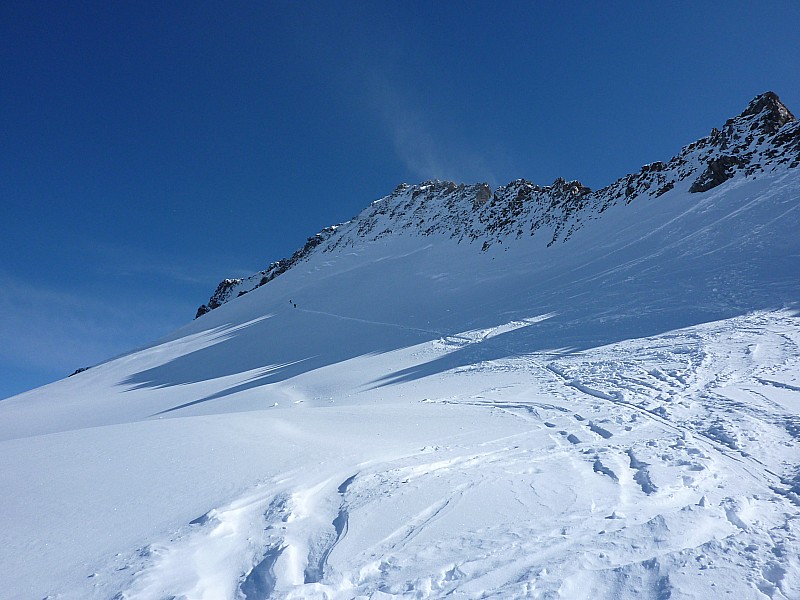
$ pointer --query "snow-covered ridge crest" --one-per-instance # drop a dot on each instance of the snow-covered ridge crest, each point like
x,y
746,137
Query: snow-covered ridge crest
x,y
763,138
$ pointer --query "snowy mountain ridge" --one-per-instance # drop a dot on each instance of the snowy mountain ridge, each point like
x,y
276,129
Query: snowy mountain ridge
x,y
399,415
764,137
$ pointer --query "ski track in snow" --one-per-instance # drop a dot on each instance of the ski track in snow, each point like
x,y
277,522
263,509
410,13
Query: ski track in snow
x,y
666,436
368,322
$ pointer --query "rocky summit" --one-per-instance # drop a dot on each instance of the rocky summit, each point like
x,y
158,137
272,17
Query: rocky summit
x,y
764,137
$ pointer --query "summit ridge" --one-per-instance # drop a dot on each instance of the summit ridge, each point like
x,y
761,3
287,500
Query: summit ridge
x,y
764,137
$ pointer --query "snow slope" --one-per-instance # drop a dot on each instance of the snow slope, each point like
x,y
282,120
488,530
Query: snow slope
x,y
400,415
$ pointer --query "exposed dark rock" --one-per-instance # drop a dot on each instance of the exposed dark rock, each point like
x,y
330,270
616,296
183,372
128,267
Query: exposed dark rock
x,y
718,171
665,188
772,113
484,193
220,296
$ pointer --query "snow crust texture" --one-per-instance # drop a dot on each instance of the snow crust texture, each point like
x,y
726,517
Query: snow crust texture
x,y
411,410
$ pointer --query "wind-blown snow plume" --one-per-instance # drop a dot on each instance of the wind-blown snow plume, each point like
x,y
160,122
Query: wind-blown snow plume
x,y
426,150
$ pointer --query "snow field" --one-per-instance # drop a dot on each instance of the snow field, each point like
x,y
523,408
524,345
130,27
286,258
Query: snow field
x,y
614,417
581,476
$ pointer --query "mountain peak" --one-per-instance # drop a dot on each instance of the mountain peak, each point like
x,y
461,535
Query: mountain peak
x,y
773,112
763,138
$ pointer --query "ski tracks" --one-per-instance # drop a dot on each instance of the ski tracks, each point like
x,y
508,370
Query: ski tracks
x,y
636,467
697,428
727,392
273,540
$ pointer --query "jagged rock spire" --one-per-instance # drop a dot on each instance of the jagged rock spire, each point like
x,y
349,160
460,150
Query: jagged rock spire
x,y
772,111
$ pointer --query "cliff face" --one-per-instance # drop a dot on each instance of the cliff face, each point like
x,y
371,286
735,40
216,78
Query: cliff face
x,y
763,138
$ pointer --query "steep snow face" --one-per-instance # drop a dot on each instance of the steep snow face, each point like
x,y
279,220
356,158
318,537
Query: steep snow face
x,y
407,415
765,137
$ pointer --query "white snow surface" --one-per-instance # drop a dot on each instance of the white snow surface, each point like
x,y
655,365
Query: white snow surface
x,y
617,416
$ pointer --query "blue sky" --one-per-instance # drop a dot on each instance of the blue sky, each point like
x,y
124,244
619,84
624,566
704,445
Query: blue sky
x,y
150,149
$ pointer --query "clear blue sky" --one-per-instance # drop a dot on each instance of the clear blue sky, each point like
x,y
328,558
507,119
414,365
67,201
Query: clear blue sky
x,y
150,149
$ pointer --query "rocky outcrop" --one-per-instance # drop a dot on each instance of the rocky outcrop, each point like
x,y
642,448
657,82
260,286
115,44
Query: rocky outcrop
x,y
221,295
230,288
763,138
748,143
770,113
719,170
